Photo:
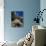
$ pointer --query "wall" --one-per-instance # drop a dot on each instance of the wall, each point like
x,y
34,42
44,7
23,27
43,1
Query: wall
x,y
1,21
43,6
29,7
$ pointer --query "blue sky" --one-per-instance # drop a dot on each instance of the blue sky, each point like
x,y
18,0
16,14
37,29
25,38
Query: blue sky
x,y
19,13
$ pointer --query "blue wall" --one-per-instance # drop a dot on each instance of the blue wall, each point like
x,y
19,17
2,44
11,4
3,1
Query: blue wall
x,y
29,7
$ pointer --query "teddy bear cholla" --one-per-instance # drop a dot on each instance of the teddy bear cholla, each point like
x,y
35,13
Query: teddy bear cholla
x,y
28,40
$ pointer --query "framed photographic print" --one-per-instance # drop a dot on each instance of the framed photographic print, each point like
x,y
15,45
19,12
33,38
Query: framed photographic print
x,y
17,18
